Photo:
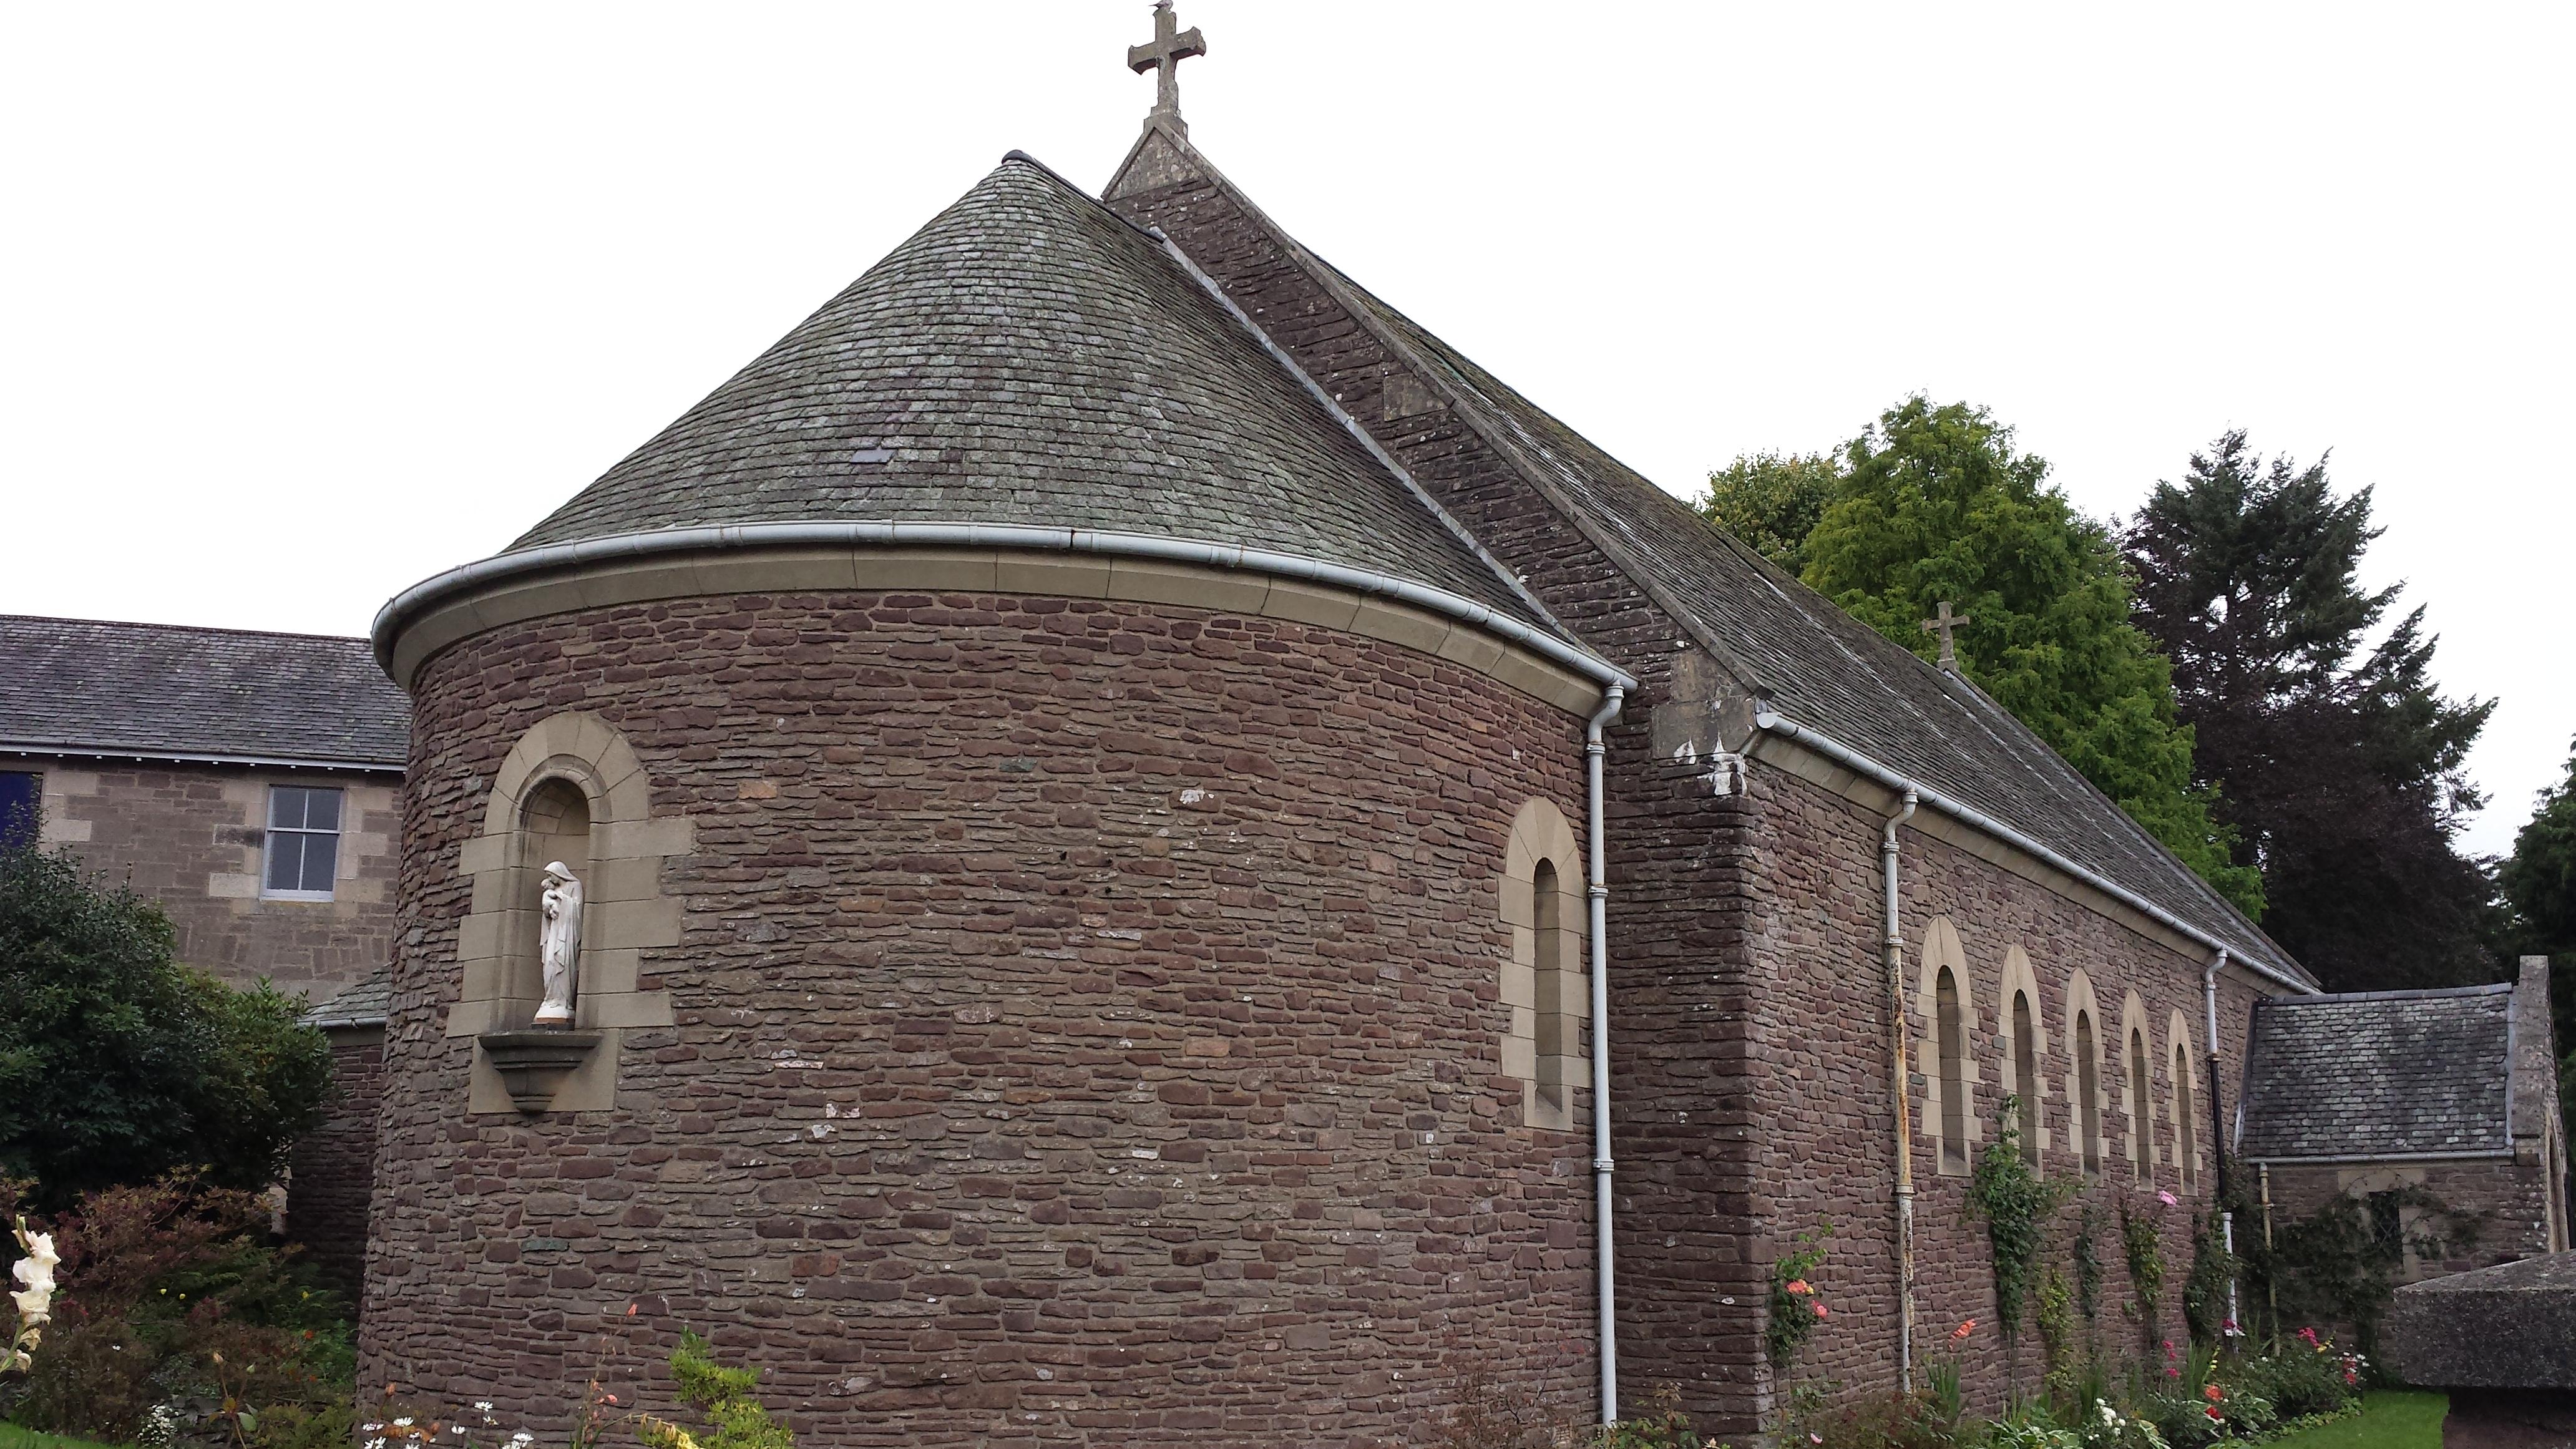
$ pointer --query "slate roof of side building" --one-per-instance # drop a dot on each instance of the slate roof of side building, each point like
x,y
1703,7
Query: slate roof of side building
x,y
181,693
2374,1075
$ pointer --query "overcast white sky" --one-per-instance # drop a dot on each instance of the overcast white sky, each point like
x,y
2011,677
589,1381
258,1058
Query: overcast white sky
x,y
301,304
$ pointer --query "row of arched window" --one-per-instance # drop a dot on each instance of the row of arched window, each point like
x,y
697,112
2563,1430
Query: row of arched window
x,y
2091,1091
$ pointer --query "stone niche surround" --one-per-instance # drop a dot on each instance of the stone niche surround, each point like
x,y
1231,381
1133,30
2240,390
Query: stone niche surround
x,y
1087,1016
624,912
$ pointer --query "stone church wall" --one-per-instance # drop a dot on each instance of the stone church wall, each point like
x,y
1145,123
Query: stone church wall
x,y
1680,979
1087,1023
1822,1089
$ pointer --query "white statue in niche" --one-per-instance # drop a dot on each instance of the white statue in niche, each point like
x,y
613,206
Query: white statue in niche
x,y
559,944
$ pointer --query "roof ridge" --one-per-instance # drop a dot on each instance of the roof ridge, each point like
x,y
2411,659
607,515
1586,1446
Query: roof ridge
x,y
2424,993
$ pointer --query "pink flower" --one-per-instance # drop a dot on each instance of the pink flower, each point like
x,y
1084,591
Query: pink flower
x,y
1796,1285
2168,1199
1820,1310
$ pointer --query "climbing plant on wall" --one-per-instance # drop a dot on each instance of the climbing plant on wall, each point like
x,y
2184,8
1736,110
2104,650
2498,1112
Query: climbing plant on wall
x,y
2015,1203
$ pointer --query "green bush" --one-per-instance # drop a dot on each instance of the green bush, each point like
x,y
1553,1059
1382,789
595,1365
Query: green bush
x,y
2308,1376
176,1321
117,1064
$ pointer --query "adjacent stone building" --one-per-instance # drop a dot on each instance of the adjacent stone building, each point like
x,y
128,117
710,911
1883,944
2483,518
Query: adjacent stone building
x,y
2437,1110
1116,776
250,784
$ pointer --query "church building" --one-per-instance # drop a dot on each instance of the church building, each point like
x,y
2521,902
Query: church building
x,y
1163,859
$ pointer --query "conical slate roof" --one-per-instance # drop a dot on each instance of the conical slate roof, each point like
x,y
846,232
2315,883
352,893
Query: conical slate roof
x,y
1030,358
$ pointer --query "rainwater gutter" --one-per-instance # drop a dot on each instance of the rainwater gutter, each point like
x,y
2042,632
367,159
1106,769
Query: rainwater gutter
x,y
1602,1165
1894,952
1862,765
523,564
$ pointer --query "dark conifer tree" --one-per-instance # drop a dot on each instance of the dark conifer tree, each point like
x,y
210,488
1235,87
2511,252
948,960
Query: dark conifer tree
x,y
2338,761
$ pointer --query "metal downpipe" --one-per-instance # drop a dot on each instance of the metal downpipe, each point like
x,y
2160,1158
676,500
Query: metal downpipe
x,y
1894,953
1599,893
2218,1131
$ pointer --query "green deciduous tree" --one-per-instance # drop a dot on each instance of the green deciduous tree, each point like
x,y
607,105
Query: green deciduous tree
x,y
1936,504
2342,763
1772,501
117,1064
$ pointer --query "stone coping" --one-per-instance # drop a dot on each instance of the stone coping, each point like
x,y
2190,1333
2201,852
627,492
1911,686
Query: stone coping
x,y
2507,1327
1056,563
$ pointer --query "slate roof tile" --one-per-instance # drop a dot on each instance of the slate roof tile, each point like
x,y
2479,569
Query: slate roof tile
x,y
172,690
1029,357
2377,1073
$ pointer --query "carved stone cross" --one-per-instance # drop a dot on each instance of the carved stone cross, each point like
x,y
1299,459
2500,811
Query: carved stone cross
x,y
1942,626
1165,55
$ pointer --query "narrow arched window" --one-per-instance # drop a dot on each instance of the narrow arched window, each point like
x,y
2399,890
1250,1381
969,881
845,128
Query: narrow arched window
x,y
2142,1117
2025,1044
1548,959
1954,1088
2184,1137
2088,1095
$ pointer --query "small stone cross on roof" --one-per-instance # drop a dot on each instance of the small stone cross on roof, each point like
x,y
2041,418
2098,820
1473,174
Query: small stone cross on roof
x,y
1942,626
1165,55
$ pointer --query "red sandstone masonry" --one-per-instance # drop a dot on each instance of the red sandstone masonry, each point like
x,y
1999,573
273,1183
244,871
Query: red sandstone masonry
x,y
1749,1054
333,1172
1088,1033
1829,1151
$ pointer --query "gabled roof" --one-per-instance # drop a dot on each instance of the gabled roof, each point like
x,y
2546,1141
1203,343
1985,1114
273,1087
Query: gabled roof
x,y
2380,1074
1787,644
1029,358
166,691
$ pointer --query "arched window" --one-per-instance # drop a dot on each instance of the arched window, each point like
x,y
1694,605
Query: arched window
x,y
1954,1087
2025,1046
2088,1095
2185,1168
2142,1117
1548,959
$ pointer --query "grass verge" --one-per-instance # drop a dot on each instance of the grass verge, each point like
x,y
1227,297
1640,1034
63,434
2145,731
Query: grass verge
x,y
2389,1419
14,1436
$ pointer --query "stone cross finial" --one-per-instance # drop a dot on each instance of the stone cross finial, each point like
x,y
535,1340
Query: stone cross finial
x,y
1942,626
1165,55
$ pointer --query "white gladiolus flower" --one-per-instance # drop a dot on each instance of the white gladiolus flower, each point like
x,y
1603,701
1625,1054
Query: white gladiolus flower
x,y
35,1275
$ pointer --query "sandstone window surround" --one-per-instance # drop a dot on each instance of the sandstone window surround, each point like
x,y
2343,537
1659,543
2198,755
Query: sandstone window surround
x,y
2026,1052
2138,1103
1946,1007
1544,988
571,790
2084,1074
2186,1122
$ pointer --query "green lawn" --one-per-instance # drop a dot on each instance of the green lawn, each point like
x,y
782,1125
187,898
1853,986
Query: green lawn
x,y
14,1437
2389,1419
